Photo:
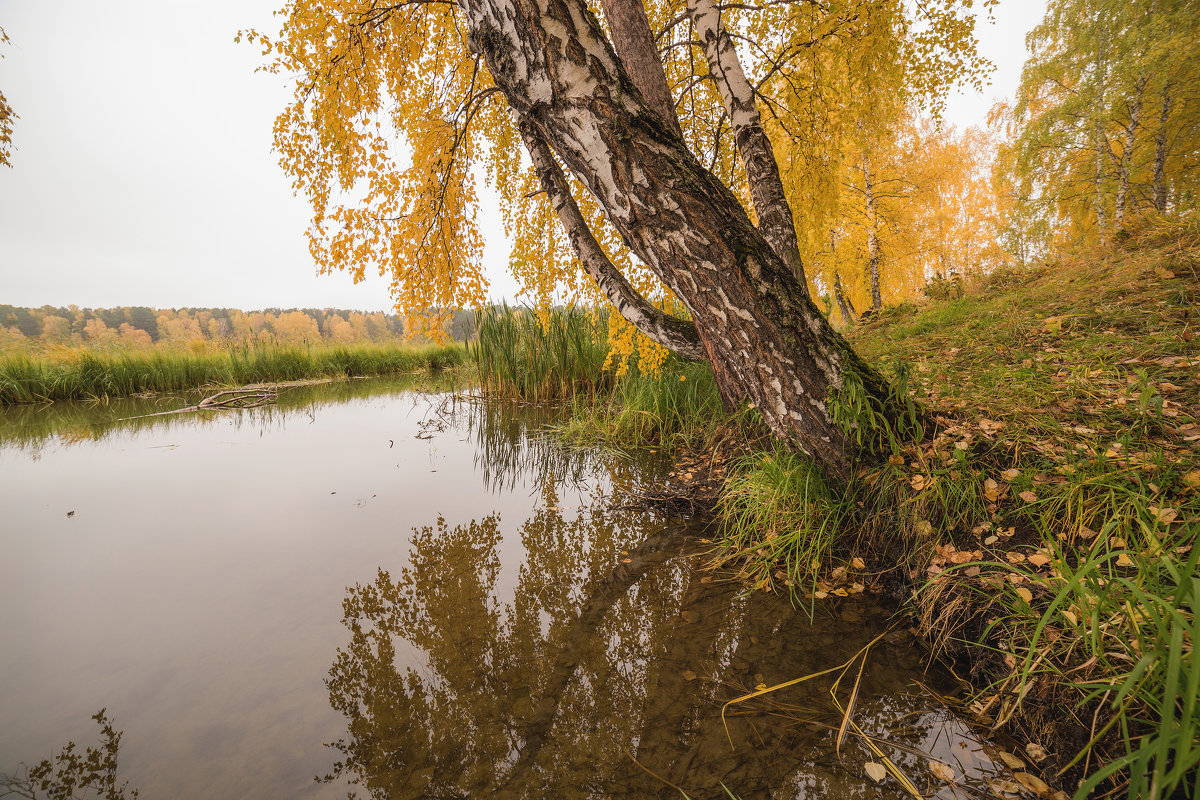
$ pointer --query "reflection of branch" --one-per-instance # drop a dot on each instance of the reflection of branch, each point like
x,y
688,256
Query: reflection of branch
x,y
653,551
249,397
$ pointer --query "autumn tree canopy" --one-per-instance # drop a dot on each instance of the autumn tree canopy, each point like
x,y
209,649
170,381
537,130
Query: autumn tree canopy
x,y
1107,119
645,174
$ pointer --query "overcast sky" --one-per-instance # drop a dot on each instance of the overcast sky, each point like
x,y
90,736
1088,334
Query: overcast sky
x,y
143,171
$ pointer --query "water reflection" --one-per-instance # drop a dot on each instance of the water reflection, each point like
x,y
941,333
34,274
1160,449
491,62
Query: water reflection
x,y
33,427
604,673
533,640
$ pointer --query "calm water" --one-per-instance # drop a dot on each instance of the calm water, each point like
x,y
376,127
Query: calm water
x,y
460,603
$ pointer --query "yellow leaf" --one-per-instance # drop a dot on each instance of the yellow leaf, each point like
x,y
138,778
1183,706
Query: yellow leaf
x,y
1032,782
1010,474
688,675
875,771
1124,560
941,771
1012,761
858,563
1025,594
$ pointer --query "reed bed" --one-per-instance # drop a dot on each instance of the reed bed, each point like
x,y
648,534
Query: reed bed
x,y
85,375
556,355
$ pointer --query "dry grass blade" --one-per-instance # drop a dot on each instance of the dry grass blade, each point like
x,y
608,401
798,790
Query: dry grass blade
x,y
841,734
795,681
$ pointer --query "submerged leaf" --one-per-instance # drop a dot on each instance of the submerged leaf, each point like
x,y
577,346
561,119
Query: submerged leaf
x,y
875,771
942,771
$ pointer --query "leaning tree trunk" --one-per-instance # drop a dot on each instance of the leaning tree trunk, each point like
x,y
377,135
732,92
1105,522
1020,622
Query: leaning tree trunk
x,y
758,326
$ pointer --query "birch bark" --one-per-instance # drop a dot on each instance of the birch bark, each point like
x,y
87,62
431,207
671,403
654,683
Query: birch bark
x,y
760,330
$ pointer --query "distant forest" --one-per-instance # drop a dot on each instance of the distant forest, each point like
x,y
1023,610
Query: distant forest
x,y
144,326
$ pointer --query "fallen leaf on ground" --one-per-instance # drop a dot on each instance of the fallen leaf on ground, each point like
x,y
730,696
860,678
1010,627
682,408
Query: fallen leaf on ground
x,y
1036,752
875,771
1039,560
1025,594
1028,497
1032,782
858,563
1010,474
1164,515
1012,761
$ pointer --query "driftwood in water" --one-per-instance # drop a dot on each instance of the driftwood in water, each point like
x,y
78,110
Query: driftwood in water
x,y
248,397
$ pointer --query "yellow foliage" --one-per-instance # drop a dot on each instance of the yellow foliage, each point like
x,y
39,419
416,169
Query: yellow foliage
x,y
393,121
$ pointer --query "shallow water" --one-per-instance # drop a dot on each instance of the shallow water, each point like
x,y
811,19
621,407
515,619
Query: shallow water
x,y
463,604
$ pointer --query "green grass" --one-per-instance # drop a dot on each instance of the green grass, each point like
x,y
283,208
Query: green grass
x,y
679,406
84,375
1061,474
783,521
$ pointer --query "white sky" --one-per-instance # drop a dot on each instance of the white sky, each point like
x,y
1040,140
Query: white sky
x,y
143,171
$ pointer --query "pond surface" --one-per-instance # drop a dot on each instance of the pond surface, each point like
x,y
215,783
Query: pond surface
x,y
461,606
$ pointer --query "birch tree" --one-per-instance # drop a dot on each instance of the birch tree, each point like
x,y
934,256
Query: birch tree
x,y
661,198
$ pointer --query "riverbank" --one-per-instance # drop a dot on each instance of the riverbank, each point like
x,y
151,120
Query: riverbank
x,y
87,374
1043,530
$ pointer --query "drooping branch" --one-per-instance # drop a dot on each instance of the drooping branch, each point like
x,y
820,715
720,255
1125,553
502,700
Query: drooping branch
x,y
758,157
670,332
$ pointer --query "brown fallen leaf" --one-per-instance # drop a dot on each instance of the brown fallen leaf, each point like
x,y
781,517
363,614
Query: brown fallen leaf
x,y
1032,782
1164,515
1039,560
1025,594
1009,759
1004,786
941,771
1028,496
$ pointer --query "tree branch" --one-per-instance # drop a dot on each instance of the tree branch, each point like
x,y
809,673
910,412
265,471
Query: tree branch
x,y
671,332
758,157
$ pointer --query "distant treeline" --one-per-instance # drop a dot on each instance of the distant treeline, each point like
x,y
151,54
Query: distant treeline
x,y
144,326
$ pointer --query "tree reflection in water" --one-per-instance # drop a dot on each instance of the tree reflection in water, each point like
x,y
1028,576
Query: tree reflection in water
x,y
606,653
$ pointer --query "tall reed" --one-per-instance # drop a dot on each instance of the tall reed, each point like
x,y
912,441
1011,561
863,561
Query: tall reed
x,y
526,355
82,374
